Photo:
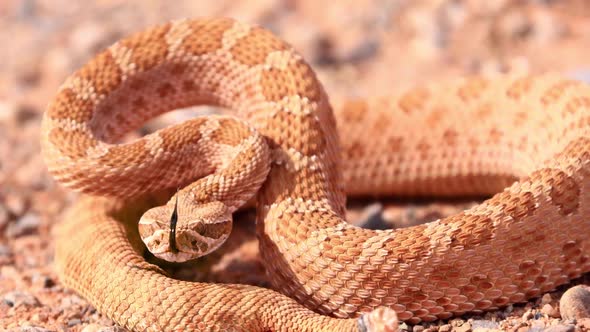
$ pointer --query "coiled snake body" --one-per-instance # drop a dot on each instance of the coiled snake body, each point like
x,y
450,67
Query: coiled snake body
x,y
529,135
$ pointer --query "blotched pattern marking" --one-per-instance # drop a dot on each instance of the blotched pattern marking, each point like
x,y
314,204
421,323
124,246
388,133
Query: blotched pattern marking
x,y
147,50
68,105
254,48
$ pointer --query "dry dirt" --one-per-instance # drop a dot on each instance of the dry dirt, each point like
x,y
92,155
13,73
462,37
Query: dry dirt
x,y
357,46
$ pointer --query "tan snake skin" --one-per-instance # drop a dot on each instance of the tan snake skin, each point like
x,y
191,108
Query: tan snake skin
x,y
472,136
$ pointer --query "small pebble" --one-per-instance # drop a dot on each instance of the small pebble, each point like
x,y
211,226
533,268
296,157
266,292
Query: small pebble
x,y
15,204
6,255
484,325
4,216
404,327
92,328
27,224
550,311
445,328
39,317
418,328
33,329
528,315
561,328
537,325
465,327
74,322
575,303
509,308
17,299
546,298
584,323
42,281
371,217
113,329
71,304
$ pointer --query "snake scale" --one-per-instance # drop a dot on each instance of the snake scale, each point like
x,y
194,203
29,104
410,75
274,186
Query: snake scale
x,y
524,140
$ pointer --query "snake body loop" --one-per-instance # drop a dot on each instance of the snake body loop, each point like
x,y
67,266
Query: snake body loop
x,y
527,138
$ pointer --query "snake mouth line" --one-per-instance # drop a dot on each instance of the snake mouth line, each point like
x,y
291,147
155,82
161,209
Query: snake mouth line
x,y
173,222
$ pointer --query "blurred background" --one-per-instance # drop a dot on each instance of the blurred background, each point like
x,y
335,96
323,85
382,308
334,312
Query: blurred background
x,y
358,48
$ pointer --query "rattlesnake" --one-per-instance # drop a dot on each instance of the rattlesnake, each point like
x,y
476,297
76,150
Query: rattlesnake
x,y
529,135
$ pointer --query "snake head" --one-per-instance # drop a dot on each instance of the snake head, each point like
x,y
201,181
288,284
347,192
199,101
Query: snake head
x,y
180,233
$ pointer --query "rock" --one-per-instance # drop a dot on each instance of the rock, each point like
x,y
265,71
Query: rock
x,y
113,329
4,217
445,328
561,328
33,329
91,328
39,317
25,225
16,204
465,327
6,255
418,328
575,303
528,315
372,217
537,325
42,281
584,324
480,325
17,299
460,325
546,298
509,309
70,301
550,311
360,216
404,327
8,111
